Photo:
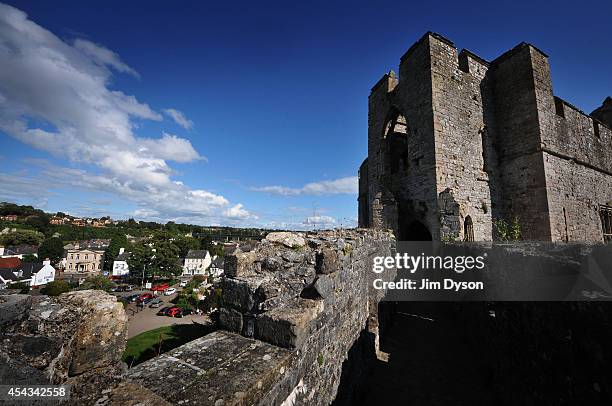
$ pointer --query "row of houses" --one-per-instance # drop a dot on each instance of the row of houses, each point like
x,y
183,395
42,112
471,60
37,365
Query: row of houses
x,y
75,221
86,258
196,262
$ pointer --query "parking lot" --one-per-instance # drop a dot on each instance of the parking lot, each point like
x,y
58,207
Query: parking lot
x,y
141,320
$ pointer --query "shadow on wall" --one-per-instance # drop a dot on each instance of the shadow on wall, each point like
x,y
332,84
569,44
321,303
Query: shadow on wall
x,y
505,353
413,231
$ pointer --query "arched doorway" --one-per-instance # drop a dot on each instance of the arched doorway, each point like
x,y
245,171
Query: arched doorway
x,y
468,229
414,231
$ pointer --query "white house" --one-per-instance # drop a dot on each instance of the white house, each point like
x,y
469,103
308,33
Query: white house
x,y
31,273
120,265
40,275
196,262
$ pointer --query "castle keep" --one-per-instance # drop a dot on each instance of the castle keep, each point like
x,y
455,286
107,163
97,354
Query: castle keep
x,y
457,143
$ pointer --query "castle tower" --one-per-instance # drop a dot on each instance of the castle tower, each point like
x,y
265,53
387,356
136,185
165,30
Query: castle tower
x,y
456,144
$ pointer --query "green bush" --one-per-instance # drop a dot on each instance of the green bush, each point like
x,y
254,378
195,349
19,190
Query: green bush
x,y
97,283
24,287
508,231
56,288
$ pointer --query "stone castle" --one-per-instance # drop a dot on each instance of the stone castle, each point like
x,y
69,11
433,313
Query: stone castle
x,y
457,143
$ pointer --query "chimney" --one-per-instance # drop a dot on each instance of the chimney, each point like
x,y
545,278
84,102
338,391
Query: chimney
x,y
121,250
47,261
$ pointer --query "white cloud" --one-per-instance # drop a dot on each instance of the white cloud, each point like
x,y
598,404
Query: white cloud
x,y
237,212
172,148
348,185
55,97
103,56
179,118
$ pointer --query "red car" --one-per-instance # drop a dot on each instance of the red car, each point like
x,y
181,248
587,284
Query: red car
x,y
160,287
144,297
174,312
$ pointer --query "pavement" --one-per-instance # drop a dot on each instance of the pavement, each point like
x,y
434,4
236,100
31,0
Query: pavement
x,y
141,320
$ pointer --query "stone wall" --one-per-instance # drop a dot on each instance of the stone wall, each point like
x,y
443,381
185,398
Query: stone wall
x,y
578,164
299,321
462,141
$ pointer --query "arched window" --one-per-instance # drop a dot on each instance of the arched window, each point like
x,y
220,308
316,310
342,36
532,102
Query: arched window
x,y
468,229
396,135
396,125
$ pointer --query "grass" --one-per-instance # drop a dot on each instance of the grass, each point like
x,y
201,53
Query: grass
x,y
151,343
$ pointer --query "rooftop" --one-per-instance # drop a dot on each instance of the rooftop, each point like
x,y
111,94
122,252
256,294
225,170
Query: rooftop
x,y
196,254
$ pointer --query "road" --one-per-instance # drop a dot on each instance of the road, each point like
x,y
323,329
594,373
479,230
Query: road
x,y
147,319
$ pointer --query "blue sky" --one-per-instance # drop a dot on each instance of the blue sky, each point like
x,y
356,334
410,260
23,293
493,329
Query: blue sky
x,y
244,114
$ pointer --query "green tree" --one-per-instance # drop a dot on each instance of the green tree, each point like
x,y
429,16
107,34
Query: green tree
x,y
166,256
140,259
56,288
52,248
39,222
112,251
185,244
31,258
97,283
207,244
22,237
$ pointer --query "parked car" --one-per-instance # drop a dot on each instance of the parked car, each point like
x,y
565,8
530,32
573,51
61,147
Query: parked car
x,y
187,312
145,296
163,311
156,303
132,298
160,287
128,288
170,291
174,312
183,284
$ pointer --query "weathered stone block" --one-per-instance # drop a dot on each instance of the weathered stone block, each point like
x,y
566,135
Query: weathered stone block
x,y
272,264
288,326
290,240
100,337
240,293
220,368
326,261
239,263
230,319
76,339
14,307
324,285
